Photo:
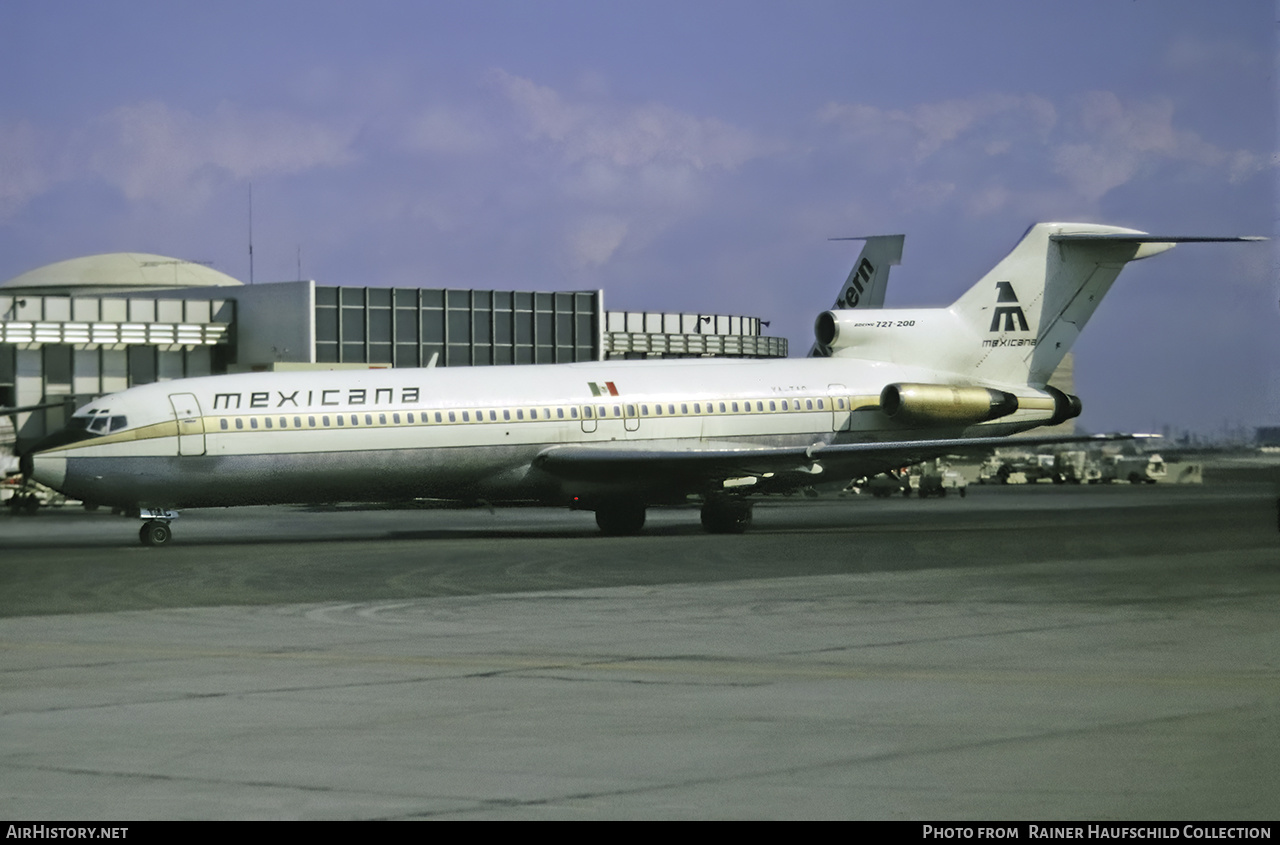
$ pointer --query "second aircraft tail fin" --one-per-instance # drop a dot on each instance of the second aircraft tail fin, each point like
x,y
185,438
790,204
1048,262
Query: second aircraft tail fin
x,y
869,278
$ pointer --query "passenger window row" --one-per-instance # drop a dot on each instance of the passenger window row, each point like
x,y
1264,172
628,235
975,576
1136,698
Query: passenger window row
x,y
627,410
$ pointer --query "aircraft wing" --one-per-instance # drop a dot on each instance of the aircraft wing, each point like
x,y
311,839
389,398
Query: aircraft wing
x,y
684,466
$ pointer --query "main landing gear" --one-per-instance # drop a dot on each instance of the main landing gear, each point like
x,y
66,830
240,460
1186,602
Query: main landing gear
x,y
726,516
156,531
620,517
624,517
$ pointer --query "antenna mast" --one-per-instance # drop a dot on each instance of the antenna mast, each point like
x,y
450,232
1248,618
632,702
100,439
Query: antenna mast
x,y
250,233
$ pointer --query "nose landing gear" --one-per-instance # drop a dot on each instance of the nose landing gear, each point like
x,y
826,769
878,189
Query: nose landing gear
x,y
156,531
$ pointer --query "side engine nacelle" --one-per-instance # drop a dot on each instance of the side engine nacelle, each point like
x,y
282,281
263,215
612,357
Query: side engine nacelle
x,y
943,404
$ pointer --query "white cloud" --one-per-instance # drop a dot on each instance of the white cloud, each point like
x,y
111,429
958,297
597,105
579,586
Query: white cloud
x,y
627,136
979,148
592,242
444,131
1114,142
925,129
24,172
151,151
634,170
1194,54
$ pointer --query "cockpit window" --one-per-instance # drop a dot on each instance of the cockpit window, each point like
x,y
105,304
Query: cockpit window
x,y
97,422
83,426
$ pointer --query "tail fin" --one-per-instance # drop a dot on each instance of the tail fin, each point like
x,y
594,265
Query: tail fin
x,y
869,278
1029,310
1016,324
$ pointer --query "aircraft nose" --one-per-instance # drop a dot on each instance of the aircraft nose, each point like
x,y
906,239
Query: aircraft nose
x,y
49,470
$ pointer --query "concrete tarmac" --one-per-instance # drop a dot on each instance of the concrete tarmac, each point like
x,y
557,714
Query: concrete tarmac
x,y
1029,653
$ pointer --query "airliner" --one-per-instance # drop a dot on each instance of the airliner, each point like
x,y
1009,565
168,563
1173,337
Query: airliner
x,y
895,386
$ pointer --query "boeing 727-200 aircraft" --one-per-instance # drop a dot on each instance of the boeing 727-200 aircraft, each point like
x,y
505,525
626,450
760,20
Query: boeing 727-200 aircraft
x,y
614,437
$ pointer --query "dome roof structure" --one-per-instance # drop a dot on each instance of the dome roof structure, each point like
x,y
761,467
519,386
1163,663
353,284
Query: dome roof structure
x,y
115,272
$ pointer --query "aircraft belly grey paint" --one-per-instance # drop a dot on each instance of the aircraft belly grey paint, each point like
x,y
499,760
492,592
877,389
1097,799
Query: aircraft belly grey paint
x,y
899,386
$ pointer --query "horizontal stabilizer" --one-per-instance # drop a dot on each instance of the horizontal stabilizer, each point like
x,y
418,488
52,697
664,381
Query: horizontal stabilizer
x,y
1125,238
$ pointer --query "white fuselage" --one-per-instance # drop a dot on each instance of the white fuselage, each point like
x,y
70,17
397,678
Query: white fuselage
x,y
378,435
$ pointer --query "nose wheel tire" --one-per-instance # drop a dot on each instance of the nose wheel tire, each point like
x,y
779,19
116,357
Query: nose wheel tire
x,y
155,533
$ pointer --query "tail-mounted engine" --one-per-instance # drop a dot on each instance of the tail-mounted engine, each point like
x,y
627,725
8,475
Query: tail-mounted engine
x,y
1065,406
943,404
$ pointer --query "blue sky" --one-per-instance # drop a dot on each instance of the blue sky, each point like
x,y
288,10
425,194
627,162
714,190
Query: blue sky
x,y
679,156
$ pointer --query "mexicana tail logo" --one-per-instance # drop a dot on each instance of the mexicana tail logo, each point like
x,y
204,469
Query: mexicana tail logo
x,y
1010,315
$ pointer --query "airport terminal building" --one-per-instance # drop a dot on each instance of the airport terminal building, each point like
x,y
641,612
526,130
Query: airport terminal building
x,y
78,329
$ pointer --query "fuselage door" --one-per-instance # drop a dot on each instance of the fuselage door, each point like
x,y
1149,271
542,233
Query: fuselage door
x,y
841,413
588,413
186,411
